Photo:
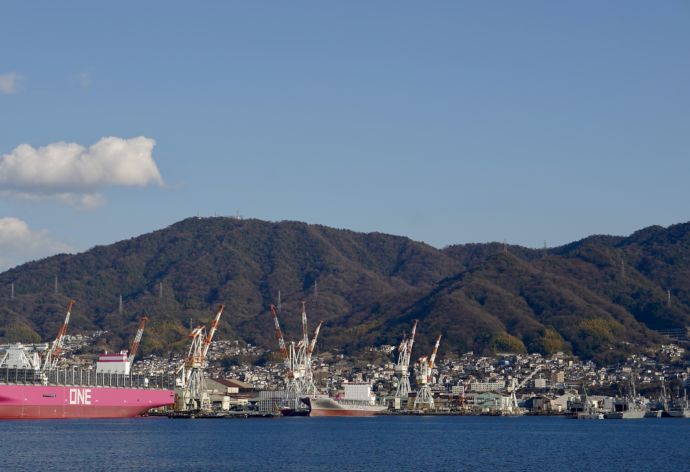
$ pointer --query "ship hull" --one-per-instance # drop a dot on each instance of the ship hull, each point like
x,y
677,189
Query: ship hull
x,y
331,407
625,415
679,413
53,401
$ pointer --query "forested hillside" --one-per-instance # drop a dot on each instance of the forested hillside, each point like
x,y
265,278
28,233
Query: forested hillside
x,y
600,296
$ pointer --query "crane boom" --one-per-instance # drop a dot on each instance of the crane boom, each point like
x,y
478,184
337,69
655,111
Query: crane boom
x,y
411,341
403,346
281,342
312,345
305,334
212,331
527,379
433,354
137,339
279,334
55,350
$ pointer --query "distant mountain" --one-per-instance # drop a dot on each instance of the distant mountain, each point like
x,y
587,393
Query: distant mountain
x,y
598,297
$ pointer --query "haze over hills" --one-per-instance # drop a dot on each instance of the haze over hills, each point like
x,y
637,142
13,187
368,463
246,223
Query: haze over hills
x,y
598,297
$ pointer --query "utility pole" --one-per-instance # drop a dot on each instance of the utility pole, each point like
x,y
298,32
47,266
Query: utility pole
x,y
278,301
119,308
12,291
668,297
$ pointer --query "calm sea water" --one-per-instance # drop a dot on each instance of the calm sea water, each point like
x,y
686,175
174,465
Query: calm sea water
x,y
346,444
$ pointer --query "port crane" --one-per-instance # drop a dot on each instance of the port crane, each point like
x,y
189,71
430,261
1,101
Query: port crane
x,y
290,384
137,339
194,394
402,368
297,357
514,387
52,355
310,386
303,353
426,365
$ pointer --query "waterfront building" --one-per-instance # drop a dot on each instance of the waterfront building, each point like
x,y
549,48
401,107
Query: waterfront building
x,y
487,386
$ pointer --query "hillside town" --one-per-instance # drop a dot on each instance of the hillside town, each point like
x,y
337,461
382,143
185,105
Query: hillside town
x,y
507,383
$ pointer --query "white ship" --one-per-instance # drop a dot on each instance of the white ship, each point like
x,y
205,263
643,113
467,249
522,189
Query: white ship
x,y
356,400
680,407
629,408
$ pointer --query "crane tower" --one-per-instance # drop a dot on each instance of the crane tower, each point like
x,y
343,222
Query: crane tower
x,y
402,368
425,365
297,357
194,395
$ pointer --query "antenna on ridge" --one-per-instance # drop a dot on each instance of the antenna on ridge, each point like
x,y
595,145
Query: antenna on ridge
x,y
505,246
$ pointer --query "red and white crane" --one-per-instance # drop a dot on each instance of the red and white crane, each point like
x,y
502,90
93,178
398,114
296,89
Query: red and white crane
x,y
137,339
287,360
312,344
194,394
402,368
297,357
308,385
52,355
425,366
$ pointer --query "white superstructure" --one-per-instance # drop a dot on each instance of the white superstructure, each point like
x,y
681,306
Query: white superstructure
x,y
113,363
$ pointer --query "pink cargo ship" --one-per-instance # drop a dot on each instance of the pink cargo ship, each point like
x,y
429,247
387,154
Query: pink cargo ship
x,y
66,401
32,386
112,391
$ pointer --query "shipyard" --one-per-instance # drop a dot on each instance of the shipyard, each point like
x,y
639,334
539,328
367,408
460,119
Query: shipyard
x,y
45,381
344,236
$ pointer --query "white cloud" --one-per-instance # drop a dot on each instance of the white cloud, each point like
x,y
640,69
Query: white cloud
x,y
19,243
71,173
8,82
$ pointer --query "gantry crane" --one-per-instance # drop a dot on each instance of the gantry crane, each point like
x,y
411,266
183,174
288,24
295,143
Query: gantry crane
x,y
137,339
194,394
402,368
52,355
426,364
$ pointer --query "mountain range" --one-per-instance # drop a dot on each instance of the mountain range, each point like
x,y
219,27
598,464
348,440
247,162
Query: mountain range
x,y
601,297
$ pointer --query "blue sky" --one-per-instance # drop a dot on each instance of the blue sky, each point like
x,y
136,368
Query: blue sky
x,y
448,122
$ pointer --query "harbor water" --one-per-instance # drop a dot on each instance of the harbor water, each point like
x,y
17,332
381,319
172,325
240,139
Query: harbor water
x,y
346,444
